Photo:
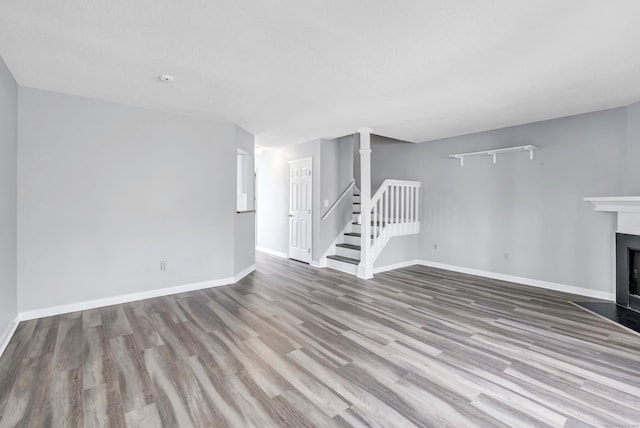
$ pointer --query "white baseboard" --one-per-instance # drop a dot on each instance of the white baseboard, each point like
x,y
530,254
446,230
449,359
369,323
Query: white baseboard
x,y
526,281
126,298
393,266
244,273
272,252
7,335
321,264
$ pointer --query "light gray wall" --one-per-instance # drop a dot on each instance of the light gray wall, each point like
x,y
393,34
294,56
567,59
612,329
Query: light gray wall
x,y
245,223
632,177
271,201
8,217
399,249
394,159
335,175
355,142
332,171
106,191
521,217
272,204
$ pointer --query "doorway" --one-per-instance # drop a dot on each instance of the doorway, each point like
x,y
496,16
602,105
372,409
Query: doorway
x,y
300,211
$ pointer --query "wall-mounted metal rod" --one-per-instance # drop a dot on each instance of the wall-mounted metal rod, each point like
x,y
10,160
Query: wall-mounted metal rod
x,y
342,195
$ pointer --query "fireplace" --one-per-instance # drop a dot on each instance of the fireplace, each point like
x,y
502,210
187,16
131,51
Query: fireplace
x,y
626,309
627,271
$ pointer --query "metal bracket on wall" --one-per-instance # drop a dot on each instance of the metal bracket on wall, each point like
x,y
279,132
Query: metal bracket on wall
x,y
494,153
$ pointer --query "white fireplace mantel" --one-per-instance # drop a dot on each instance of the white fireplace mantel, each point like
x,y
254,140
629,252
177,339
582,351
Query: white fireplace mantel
x,y
627,208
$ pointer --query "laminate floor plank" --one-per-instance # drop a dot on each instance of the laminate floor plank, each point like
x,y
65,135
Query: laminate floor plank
x,y
44,337
10,368
103,407
69,340
142,326
294,346
145,417
66,399
97,358
134,382
115,321
27,403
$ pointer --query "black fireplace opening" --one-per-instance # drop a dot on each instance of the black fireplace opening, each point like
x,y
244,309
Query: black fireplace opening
x,y
634,267
628,271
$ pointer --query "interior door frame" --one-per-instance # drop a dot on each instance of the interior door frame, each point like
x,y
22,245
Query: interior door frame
x,y
310,159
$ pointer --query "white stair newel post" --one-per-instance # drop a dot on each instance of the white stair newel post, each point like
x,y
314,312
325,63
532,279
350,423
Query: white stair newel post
x,y
365,269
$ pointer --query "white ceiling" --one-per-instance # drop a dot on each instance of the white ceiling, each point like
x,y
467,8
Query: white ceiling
x,y
294,70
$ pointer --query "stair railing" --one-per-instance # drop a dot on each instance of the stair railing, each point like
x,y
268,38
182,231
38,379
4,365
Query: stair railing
x,y
395,211
342,195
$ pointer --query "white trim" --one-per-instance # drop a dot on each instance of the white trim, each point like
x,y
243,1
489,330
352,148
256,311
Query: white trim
x,y
244,273
7,335
526,281
348,252
322,263
394,266
126,298
627,209
272,252
621,204
302,159
342,266
311,195
365,268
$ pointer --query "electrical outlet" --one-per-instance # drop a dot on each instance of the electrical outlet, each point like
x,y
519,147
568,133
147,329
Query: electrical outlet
x,y
326,203
163,265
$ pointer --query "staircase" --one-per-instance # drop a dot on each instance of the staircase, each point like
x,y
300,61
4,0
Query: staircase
x,y
347,253
393,211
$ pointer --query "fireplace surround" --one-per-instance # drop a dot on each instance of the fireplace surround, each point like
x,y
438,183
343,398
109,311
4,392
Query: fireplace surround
x,y
626,309
627,266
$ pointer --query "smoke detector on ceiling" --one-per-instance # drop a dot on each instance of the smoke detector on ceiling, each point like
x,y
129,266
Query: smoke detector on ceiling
x,y
166,78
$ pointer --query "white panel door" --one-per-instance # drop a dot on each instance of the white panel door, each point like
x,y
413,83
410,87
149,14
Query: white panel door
x,y
300,210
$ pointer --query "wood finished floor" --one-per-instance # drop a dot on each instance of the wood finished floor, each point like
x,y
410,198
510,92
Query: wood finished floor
x,y
291,345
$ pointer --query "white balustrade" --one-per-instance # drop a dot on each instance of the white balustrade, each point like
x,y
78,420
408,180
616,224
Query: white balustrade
x,y
395,211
